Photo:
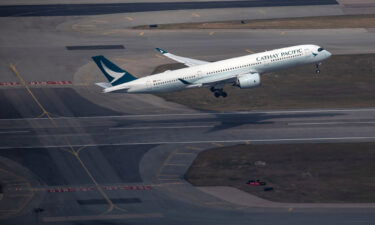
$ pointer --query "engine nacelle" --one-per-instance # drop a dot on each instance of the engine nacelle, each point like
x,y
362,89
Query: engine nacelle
x,y
249,80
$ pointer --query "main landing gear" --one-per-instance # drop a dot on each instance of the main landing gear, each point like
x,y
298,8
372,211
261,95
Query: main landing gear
x,y
317,70
218,92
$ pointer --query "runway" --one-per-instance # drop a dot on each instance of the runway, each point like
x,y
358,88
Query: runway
x,y
89,158
195,128
97,9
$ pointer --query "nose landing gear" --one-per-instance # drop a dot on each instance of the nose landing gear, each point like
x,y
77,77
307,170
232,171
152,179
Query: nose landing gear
x,y
317,69
218,92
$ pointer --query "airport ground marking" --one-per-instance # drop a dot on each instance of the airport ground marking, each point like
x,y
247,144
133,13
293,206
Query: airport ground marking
x,y
80,149
44,111
211,33
330,123
102,217
195,15
26,184
165,162
141,33
24,83
72,150
100,21
152,128
98,186
262,11
129,18
217,144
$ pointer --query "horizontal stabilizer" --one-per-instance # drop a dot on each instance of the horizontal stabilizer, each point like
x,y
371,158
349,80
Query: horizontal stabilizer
x,y
104,84
184,81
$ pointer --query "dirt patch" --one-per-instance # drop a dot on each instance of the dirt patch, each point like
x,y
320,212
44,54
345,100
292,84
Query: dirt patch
x,y
339,172
345,81
323,22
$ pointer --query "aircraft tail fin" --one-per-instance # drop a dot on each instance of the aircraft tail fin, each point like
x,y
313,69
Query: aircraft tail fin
x,y
112,72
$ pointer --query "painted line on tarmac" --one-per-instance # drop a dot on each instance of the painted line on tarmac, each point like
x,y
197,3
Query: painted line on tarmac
x,y
150,128
87,188
208,114
102,217
198,142
63,82
329,123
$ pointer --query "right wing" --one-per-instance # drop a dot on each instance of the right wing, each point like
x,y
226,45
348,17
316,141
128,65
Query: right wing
x,y
187,61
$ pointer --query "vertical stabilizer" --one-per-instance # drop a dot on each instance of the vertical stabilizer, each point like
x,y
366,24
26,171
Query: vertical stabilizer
x,y
112,72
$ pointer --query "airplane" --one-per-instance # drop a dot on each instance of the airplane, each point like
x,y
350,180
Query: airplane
x,y
242,72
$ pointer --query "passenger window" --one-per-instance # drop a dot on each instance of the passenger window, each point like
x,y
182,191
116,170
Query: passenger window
x,y
320,49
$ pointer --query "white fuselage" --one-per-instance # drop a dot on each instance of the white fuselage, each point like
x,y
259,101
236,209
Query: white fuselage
x,y
263,62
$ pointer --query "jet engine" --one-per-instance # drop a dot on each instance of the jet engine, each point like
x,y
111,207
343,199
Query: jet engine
x,y
250,80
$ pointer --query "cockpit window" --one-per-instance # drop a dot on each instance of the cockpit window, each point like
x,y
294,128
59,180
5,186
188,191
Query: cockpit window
x,y
320,49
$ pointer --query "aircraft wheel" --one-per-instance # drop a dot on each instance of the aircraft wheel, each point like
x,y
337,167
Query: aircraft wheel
x,y
217,94
212,89
317,71
224,94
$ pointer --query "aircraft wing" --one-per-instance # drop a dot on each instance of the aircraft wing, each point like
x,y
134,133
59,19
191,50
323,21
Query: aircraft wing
x,y
187,61
219,82
212,83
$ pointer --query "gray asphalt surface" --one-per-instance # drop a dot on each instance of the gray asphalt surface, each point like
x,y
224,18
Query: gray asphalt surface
x,y
119,159
97,9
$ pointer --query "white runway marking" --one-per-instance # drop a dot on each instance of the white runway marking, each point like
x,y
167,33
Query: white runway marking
x,y
149,128
201,142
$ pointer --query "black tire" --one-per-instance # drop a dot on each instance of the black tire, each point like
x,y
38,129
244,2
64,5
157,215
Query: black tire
x,y
217,94
212,89
224,94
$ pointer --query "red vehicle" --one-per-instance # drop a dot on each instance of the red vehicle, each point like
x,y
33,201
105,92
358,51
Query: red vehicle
x,y
256,183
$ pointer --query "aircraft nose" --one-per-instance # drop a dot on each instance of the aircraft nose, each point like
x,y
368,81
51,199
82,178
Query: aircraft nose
x,y
329,54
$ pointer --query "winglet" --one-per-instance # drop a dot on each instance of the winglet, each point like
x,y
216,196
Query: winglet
x,y
184,81
162,51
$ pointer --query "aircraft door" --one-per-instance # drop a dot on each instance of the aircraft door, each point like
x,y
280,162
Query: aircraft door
x,y
199,74
149,84
308,53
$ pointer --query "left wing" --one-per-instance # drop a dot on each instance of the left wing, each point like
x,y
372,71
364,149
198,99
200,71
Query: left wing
x,y
211,83
187,61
